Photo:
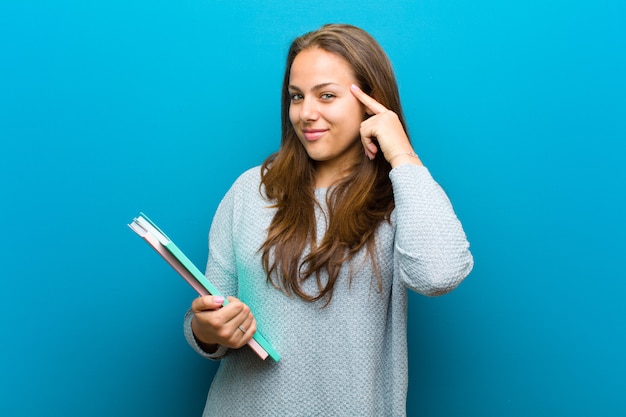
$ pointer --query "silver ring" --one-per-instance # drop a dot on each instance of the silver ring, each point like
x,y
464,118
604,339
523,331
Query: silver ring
x,y
243,329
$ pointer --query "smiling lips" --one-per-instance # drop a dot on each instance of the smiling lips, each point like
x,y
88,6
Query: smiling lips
x,y
313,134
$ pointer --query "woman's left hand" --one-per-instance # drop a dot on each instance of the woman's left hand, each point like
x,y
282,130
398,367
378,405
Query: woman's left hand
x,y
385,128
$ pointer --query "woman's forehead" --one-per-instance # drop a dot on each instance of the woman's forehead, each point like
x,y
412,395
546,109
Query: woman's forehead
x,y
316,66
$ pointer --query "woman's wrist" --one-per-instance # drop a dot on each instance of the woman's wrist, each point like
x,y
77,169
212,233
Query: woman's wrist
x,y
404,158
207,347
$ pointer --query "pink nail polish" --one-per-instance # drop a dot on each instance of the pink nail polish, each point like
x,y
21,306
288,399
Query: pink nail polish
x,y
218,299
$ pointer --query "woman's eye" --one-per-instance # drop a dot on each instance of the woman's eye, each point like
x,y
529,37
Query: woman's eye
x,y
328,96
295,96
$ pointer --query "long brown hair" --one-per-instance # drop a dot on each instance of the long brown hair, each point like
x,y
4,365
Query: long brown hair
x,y
357,203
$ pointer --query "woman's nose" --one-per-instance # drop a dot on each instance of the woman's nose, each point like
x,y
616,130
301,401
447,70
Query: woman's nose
x,y
309,110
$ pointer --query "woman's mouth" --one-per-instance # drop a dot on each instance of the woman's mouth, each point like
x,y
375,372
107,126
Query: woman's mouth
x,y
313,134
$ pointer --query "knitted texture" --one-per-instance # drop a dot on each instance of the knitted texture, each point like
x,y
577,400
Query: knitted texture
x,y
349,358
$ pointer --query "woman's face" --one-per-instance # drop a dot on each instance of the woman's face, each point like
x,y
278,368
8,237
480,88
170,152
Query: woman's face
x,y
323,111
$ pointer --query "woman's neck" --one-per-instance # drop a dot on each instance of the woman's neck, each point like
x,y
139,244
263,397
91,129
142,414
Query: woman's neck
x,y
328,173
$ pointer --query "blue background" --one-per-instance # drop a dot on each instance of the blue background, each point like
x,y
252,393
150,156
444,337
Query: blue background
x,y
108,108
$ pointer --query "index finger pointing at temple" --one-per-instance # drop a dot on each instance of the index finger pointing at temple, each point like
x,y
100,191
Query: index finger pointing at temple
x,y
374,106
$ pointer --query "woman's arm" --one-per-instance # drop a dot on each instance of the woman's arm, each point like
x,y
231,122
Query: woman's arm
x,y
431,248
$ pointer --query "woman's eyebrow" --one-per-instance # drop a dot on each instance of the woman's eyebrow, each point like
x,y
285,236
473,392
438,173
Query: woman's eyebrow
x,y
315,88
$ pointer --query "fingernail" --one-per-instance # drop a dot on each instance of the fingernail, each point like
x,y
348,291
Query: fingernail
x,y
354,87
218,299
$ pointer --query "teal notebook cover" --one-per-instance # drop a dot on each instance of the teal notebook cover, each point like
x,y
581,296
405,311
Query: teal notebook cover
x,y
199,276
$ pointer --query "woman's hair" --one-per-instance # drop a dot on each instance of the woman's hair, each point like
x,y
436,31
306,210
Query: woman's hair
x,y
357,203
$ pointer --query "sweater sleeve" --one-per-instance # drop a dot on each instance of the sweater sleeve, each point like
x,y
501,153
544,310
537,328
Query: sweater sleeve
x,y
430,246
221,267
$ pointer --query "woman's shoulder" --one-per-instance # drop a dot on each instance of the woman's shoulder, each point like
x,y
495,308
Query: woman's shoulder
x,y
251,178
247,187
243,189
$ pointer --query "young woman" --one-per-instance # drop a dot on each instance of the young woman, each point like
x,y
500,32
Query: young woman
x,y
318,246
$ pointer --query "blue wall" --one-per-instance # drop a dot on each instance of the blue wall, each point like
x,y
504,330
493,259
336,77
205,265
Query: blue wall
x,y
112,107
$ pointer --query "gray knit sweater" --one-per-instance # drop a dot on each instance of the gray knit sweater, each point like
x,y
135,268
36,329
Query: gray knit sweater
x,y
350,358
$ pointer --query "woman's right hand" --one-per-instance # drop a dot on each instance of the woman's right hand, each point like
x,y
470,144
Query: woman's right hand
x,y
232,325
